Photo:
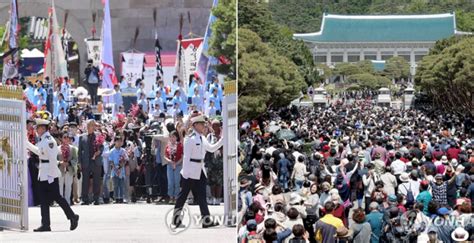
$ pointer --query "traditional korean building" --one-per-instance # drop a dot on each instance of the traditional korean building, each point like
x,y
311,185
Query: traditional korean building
x,y
351,38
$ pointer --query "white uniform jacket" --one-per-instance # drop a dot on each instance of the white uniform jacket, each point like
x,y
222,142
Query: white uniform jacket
x,y
195,147
47,150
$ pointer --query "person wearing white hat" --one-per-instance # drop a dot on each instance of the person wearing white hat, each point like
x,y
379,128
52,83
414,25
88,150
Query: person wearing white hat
x,y
405,179
194,177
47,151
460,235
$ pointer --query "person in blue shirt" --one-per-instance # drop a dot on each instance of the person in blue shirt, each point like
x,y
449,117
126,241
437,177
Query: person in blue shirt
x,y
284,172
375,219
198,100
192,85
144,102
141,89
161,89
212,110
117,159
215,85
117,98
40,90
60,103
30,92
217,101
424,197
160,102
40,101
175,84
177,98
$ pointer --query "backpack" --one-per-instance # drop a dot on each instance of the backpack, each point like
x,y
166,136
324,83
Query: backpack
x,y
410,197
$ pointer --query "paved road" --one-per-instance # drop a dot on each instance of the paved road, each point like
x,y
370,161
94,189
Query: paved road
x,y
139,222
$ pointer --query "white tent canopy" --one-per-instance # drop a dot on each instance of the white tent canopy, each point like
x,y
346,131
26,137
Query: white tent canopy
x,y
25,53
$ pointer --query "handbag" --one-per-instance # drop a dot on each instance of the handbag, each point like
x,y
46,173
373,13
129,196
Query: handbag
x,y
347,204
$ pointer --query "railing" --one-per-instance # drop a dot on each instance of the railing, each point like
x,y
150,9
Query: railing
x,y
13,163
230,151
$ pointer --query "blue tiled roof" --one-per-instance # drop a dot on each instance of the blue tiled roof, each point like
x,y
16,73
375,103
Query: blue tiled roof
x,y
386,28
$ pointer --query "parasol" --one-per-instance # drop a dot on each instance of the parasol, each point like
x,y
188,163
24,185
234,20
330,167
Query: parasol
x,y
81,93
286,134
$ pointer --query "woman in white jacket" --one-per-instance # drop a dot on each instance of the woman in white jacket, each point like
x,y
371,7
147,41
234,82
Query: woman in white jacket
x,y
299,172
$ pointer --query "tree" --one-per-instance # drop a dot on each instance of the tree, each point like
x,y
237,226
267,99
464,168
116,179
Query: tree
x,y
442,44
369,81
397,68
465,20
324,72
258,18
345,69
296,51
448,77
366,66
223,40
266,79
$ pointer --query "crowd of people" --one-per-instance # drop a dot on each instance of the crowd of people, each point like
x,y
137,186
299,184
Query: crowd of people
x,y
356,173
111,151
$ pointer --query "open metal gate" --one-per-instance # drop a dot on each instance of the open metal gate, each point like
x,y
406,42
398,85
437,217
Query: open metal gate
x,y
13,160
230,151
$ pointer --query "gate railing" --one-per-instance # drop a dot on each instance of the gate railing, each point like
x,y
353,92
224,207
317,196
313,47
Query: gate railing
x,y
13,160
230,152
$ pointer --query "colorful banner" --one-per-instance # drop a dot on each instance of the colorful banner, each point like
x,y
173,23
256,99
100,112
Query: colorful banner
x,y
202,67
14,26
94,50
132,66
107,69
55,65
205,61
9,69
190,53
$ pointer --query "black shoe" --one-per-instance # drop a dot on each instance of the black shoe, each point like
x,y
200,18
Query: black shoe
x,y
148,200
74,222
42,229
85,203
106,200
209,225
179,226
96,202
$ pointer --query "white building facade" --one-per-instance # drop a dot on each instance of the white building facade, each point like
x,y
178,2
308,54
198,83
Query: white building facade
x,y
352,38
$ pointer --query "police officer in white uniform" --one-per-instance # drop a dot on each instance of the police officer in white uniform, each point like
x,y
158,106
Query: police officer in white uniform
x,y
47,151
193,174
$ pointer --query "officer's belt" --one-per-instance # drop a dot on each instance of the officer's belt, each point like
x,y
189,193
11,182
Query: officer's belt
x,y
44,161
196,160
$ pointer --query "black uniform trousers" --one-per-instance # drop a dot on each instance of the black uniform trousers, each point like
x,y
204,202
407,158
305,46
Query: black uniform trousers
x,y
198,188
49,193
